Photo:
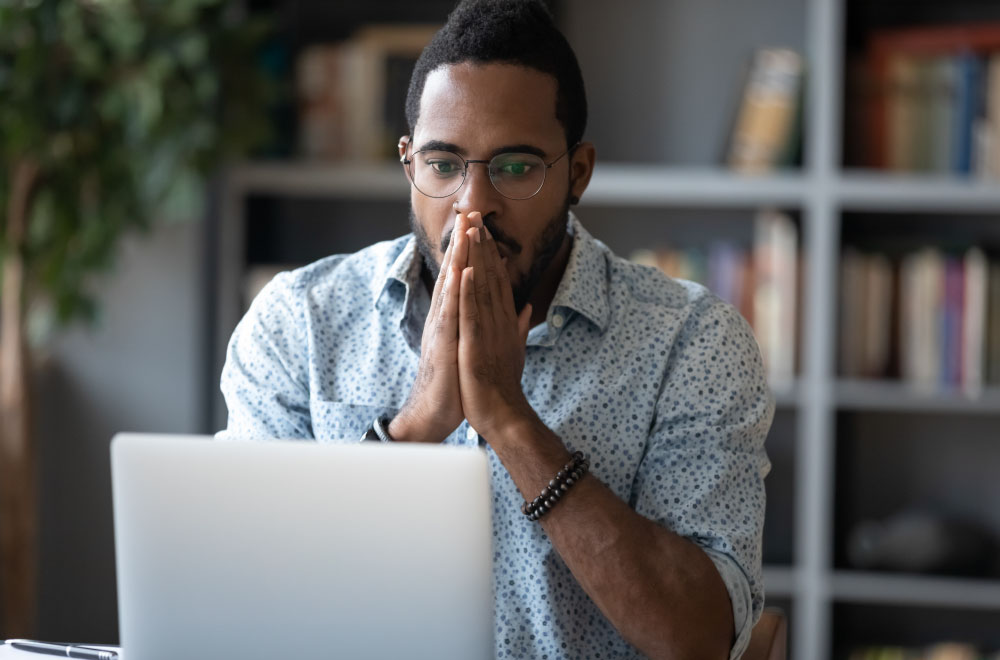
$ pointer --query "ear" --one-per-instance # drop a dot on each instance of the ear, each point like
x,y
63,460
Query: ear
x,y
581,169
403,142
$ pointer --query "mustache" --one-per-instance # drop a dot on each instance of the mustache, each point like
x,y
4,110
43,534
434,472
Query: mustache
x,y
499,236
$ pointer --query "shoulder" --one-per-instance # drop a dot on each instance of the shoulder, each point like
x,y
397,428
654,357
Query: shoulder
x,y
334,277
649,287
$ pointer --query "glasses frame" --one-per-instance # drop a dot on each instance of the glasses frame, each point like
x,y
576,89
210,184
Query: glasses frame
x,y
465,170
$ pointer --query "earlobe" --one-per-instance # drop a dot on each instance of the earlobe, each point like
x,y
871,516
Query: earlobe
x,y
582,168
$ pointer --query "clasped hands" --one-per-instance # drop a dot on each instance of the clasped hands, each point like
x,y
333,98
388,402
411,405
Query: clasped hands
x,y
473,346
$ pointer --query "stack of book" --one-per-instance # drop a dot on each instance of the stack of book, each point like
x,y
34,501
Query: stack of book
x,y
760,280
351,94
931,317
930,101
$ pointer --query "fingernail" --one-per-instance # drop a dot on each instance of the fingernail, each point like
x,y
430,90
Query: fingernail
x,y
488,234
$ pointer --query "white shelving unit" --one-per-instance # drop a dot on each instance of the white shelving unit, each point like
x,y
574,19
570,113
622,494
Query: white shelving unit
x,y
821,193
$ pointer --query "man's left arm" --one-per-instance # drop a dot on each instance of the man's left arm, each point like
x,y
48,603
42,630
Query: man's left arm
x,y
663,593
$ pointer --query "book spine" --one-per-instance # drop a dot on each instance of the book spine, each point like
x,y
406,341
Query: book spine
x,y
993,324
968,108
951,351
766,120
974,322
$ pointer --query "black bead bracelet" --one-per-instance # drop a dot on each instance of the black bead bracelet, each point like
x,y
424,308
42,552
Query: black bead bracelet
x,y
569,475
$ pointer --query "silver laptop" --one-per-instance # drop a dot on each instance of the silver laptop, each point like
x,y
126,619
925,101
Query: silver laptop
x,y
243,550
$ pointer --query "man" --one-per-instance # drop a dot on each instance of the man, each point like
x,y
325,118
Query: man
x,y
501,323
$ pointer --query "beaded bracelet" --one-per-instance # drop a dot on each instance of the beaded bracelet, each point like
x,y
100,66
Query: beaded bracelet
x,y
569,475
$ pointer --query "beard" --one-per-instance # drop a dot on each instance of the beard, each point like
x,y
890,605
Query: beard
x,y
546,247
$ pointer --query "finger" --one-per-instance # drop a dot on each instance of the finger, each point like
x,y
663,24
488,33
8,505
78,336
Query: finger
x,y
493,266
475,219
501,289
524,324
477,260
446,323
469,326
439,282
460,255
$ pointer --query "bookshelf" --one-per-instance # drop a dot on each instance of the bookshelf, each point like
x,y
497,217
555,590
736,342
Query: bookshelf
x,y
657,178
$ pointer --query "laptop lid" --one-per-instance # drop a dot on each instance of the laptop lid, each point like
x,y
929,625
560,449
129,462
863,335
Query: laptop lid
x,y
290,549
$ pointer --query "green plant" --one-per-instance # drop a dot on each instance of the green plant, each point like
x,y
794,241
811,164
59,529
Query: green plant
x,y
111,114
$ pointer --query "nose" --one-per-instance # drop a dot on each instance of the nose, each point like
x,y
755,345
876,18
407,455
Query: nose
x,y
477,192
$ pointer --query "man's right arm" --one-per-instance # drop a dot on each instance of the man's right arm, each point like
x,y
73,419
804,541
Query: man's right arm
x,y
265,378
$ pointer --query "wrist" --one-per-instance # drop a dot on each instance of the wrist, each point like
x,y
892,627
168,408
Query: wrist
x,y
516,425
407,427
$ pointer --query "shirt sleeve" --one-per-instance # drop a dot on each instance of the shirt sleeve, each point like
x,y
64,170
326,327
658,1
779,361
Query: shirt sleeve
x,y
703,472
266,375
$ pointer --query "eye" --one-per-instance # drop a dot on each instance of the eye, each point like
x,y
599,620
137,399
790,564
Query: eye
x,y
515,168
443,166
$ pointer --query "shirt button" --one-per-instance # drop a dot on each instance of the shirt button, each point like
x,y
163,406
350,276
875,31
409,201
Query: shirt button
x,y
471,434
558,320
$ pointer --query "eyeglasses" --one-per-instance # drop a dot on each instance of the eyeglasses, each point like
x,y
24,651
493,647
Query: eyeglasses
x,y
437,173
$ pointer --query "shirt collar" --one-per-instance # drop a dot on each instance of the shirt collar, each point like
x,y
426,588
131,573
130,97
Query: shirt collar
x,y
405,270
583,287
584,284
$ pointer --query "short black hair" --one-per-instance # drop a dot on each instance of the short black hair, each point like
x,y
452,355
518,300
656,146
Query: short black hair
x,y
519,32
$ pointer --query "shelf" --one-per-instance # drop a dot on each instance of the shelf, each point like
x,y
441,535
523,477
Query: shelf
x,y
789,396
859,190
900,397
779,582
319,179
888,588
622,184
614,184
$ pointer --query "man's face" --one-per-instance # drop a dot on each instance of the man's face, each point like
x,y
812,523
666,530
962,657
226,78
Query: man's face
x,y
478,111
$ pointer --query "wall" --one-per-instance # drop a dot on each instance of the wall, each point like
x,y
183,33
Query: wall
x,y
137,370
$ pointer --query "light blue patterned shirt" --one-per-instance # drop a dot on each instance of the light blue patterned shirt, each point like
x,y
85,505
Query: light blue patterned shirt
x,y
657,380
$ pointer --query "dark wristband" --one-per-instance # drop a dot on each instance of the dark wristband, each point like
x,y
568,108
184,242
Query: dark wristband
x,y
378,430
571,473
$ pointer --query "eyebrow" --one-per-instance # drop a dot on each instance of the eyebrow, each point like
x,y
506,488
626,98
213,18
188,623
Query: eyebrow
x,y
440,145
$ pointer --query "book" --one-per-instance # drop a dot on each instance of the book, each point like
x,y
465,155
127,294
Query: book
x,y
991,158
953,306
974,322
877,316
322,130
866,302
352,94
921,318
851,324
775,294
906,131
970,108
993,325
938,44
766,122
941,97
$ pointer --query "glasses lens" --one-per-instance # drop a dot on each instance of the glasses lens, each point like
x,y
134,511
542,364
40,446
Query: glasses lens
x,y
517,176
437,173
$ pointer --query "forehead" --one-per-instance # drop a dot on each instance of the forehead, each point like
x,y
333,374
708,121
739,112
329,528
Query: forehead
x,y
483,106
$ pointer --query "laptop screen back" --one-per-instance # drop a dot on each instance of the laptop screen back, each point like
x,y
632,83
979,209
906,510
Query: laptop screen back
x,y
245,550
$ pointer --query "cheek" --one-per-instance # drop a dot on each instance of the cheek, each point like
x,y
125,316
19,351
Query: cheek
x,y
432,216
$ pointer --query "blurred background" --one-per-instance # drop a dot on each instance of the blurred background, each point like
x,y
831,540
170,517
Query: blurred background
x,y
831,167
